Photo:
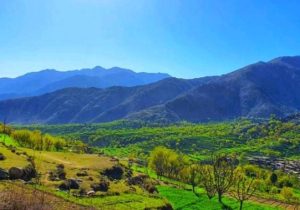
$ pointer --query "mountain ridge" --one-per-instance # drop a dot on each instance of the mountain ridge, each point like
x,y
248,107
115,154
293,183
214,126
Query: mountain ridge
x,y
48,80
257,90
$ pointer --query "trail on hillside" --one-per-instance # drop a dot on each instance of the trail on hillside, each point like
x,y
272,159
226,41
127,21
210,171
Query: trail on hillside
x,y
274,203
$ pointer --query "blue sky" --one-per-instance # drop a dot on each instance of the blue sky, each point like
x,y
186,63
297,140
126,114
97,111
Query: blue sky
x,y
186,38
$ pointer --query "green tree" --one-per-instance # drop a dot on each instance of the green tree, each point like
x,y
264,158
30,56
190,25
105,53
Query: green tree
x,y
243,187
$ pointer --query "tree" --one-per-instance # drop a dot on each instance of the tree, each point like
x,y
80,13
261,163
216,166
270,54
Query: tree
x,y
223,173
166,162
207,180
273,178
190,175
243,187
157,161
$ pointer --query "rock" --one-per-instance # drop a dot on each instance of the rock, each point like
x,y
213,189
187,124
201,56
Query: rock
x,y
102,186
64,186
68,185
116,172
166,207
73,184
82,173
29,172
151,188
91,193
2,157
137,180
15,173
3,174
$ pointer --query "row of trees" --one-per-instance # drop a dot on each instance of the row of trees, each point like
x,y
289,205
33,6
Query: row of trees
x,y
36,140
220,175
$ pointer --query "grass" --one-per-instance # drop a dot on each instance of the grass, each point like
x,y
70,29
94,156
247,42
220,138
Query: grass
x,y
119,195
187,200
12,159
123,201
24,197
8,141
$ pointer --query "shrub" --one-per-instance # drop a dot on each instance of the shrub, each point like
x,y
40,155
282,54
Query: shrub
x,y
2,157
68,185
114,173
287,194
102,186
82,173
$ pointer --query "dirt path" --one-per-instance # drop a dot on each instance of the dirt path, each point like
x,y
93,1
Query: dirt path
x,y
274,203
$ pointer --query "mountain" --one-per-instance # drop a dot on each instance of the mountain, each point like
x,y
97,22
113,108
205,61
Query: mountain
x,y
49,80
258,90
75,105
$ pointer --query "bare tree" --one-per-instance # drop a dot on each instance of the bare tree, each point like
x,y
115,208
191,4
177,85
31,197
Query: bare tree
x,y
223,169
207,180
243,188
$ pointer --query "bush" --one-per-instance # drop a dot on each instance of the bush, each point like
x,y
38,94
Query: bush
x,y
2,157
3,174
68,185
114,173
82,173
102,186
25,174
15,173
58,174
287,194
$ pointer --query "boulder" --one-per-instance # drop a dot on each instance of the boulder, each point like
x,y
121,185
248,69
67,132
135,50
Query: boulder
x,y
2,157
150,188
82,173
3,174
166,207
15,173
114,173
137,180
29,172
68,185
102,186
91,193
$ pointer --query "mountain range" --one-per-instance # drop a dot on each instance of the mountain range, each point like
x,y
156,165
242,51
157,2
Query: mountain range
x,y
49,80
255,91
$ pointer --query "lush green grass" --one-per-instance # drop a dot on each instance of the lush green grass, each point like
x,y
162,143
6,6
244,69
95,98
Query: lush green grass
x,y
8,141
183,199
124,201
187,200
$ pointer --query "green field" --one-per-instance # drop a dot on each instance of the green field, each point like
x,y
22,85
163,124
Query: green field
x,y
7,140
187,200
135,142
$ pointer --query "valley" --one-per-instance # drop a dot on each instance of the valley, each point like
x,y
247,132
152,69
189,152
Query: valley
x,y
130,145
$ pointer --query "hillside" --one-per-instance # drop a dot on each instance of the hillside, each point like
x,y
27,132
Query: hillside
x,y
255,91
49,80
92,104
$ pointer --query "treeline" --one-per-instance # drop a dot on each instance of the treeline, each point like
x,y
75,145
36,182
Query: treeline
x,y
38,141
273,137
222,174
34,139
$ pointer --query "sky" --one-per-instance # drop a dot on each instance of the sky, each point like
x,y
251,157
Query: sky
x,y
185,38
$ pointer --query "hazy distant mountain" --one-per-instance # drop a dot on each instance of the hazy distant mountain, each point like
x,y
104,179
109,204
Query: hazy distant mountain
x,y
45,81
257,90
92,104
